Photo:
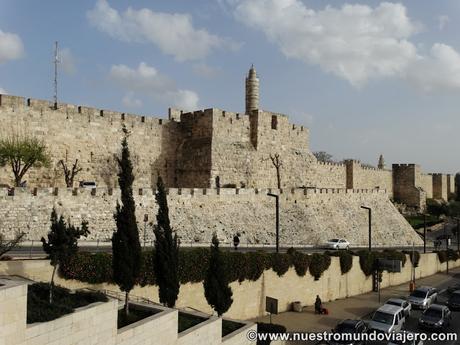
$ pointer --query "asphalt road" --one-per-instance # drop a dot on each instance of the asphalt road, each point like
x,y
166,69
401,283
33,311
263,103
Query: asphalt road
x,y
412,322
37,251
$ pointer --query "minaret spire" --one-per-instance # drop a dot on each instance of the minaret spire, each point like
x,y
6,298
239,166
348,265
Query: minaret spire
x,y
252,90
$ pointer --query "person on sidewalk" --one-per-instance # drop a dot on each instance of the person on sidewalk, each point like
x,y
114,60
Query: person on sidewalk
x,y
318,305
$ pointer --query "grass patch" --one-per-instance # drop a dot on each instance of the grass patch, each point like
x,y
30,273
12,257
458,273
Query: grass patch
x,y
64,302
135,314
230,327
187,321
417,221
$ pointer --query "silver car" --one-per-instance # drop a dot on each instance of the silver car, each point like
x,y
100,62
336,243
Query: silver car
x,y
423,297
337,243
387,319
435,317
399,302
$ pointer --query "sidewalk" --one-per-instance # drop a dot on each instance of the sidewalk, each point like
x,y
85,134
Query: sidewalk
x,y
356,307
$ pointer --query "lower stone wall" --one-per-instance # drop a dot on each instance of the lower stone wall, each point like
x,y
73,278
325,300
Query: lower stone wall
x,y
307,216
96,324
249,297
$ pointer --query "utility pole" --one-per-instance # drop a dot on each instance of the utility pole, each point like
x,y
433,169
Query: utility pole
x,y
447,249
424,233
277,205
370,225
56,62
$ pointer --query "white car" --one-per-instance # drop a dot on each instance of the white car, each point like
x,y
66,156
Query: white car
x,y
337,243
423,297
387,319
399,302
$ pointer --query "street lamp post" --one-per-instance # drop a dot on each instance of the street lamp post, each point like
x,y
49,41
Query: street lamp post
x,y
424,233
447,249
370,225
277,205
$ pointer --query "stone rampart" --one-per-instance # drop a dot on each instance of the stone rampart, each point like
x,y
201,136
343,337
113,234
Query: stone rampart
x,y
308,216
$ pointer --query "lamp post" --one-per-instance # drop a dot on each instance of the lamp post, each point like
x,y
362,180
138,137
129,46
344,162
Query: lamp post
x,y
424,233
447,249
146,219
370,225
277,205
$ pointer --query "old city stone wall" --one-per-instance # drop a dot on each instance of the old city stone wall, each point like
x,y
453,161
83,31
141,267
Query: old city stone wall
x,y
203,149
308,216
427,185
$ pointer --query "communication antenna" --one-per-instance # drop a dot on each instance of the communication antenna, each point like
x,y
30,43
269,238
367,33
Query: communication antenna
x,y
56,62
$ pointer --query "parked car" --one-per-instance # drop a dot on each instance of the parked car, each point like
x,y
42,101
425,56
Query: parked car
x,y
453,288
423,297
454,301
388,318
337,243
349,327
436,317
399,302
88,184
407,342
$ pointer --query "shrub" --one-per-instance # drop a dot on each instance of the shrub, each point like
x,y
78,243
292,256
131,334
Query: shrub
x,y
87,267
256,263
300,261
346,260
268,328
193,264
453,255
414,256
366,261
392,254
442,256
40,310
318,264
280,263
236,266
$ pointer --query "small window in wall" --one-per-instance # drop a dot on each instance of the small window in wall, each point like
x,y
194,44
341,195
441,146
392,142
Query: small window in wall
x,y
274,122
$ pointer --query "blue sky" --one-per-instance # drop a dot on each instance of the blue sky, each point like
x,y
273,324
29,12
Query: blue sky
x,y
366,77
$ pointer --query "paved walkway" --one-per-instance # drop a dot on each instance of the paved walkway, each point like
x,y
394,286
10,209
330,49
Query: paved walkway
x,y
356,307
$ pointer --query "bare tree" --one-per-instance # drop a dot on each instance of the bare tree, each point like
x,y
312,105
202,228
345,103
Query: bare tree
x,y
323,156
6,246
277,163
69,174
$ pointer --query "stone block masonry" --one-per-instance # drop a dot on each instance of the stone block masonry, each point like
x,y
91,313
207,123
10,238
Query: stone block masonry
x,y
96,324
308,216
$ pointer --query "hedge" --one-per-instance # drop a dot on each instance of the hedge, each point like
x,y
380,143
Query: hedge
x,y
346,260
414,256
193,263
318,264
453,255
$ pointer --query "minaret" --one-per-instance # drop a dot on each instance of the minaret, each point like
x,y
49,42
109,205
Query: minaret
x,y
252,91
381,163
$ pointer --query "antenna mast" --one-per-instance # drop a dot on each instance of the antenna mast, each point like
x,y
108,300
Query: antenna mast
x,y
56,62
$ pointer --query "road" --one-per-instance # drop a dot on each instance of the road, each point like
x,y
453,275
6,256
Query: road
x,y
36,251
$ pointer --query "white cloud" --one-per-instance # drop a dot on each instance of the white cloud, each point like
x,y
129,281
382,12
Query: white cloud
x,y
67,61
439,70
11,47
148,81
3,91
130,101
443,20
174,34
355,42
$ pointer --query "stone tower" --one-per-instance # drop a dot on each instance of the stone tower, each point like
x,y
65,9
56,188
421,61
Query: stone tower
x,y
381,163
252,91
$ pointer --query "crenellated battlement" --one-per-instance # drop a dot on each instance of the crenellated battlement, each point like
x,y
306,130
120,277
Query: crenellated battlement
x,y
185,192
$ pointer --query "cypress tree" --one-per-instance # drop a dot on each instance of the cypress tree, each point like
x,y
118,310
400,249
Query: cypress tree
x,y
166,259
126,248
216,289
62,243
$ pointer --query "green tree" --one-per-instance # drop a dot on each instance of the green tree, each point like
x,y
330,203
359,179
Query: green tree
x,y
126,247
166,251
62,243
216,289
323,156
22,152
